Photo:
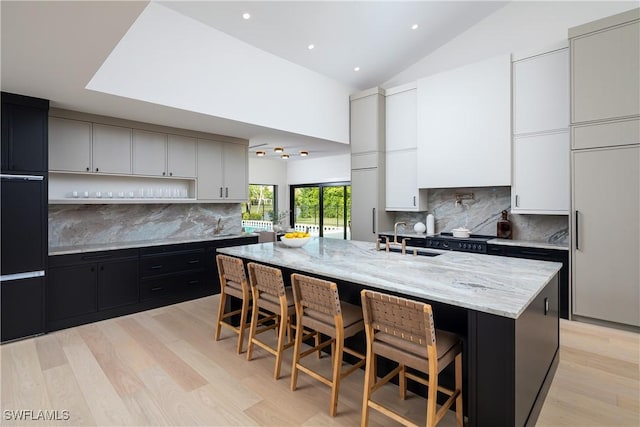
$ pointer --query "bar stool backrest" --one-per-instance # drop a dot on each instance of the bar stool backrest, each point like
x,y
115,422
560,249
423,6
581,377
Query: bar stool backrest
x,y
231,269
409,320
266,279
315,294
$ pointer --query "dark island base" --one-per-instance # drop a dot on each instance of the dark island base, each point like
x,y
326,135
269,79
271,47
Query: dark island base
x,y
508,364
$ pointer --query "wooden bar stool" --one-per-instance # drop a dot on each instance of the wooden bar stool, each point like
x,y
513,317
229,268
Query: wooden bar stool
x,y
318,308
402,330
271,297
233,282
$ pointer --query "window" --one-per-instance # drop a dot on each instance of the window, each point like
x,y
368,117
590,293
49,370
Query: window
x,y
322,209
261,209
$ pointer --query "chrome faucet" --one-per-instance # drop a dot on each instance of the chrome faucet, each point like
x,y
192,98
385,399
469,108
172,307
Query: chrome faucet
x,y
395,231
219,227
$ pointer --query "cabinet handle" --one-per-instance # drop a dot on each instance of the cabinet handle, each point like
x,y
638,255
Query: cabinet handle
x,y
164,173
194,282
226,192
156,267
517,201
534,253
159,288
97,170
546,306
193,261
373,220
414,200
577,241
170,173
220,192
87,169
92,257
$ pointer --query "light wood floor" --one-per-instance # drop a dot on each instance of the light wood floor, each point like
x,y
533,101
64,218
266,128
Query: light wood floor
x,y
162,367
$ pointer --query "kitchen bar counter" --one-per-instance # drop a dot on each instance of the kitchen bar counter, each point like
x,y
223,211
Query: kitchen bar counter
x,y
78,249
504,309
491,284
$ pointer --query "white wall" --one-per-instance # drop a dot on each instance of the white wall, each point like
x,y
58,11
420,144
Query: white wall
x,y
169,59
520,28
271,172
322,169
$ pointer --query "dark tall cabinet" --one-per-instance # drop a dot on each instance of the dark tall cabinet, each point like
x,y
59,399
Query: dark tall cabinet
x,y
23,203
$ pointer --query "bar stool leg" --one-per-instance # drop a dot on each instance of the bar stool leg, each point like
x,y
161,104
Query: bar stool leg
x,y
402,382
254,324
296,353
243,323
337,363
282,328
223,298
369,378
458,380
432,397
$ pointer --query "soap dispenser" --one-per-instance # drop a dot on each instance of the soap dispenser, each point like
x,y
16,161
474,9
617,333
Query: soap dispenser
x,y
504,227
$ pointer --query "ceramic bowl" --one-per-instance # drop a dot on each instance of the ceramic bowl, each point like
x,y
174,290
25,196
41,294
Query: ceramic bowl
x,y
296,242
461,232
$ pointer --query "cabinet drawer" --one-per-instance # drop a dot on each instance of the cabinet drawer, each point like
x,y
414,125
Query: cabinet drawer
x,y
172,263
91,257
171,285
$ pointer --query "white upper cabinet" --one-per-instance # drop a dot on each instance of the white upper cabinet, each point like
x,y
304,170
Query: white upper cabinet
x,y
464,126
541,134
69,145
541,92
401,118
149,153
606,70
181,156
401,130
222,171
541,174
367,122
111,149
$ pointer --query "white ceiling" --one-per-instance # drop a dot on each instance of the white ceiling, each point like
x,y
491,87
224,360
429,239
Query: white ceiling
x,y
52,49
373,35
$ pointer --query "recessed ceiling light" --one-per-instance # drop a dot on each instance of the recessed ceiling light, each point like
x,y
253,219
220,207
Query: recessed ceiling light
x,y
311,46
285,156
304,153
278,149
246,16
414,26
356,69
260,153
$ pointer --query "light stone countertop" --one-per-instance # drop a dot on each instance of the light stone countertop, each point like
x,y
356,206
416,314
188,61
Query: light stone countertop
x,y
77,249
496,241
529,244
493,284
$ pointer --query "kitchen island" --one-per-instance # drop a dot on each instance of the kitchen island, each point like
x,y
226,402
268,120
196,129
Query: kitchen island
x,y
505,310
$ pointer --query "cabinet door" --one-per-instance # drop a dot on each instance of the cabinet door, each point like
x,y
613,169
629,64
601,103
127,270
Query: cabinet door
x,y
401,120
367,124
181,156
71,291
149,153
541,92
117,283
24,225
541,174
69,145
236,186
402,181
22,313
24,139
606,246
364,204
210,183
605,67
111,149
464,126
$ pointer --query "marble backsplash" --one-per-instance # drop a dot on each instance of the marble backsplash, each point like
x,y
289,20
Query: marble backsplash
x,y
482,213
71,225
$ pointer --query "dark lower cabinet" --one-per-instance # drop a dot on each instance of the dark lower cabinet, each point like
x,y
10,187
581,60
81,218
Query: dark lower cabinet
x,y
85,288
117,283
21,308
71,291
